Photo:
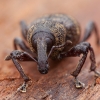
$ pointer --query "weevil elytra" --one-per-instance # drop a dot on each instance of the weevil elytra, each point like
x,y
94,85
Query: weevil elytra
x,y
54,36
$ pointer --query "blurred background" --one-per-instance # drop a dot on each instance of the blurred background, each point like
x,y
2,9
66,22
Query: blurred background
x,y
13,11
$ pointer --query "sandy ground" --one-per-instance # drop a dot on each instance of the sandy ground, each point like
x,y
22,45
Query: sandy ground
x,y
58,83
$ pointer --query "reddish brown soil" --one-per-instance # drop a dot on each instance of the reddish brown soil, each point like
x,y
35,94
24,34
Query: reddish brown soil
x,y
58,83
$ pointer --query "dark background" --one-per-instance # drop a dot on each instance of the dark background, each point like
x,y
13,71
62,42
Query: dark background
x,y
58,83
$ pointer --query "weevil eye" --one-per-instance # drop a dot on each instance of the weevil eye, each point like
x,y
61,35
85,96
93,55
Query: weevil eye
x,y
49,43
34,44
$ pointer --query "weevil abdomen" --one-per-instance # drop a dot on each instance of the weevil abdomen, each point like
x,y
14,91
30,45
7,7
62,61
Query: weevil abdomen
x,y
60,26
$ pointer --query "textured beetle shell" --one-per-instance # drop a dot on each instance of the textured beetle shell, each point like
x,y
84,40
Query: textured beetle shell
x,y
61,26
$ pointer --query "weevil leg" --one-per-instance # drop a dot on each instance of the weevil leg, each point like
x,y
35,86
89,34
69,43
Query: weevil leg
x,y
24,29
82,48
91,26
16,56
77,71
19,42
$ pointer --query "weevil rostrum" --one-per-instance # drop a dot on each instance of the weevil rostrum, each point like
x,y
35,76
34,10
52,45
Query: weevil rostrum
x,y
55,36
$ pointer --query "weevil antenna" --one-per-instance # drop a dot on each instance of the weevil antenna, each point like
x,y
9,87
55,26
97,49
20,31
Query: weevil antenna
x,y
68,42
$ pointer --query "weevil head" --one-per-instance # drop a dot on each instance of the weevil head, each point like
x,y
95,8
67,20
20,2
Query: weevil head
x,y
43,38
42,43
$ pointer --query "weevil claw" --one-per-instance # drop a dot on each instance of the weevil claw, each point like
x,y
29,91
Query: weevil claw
x,y
79,84
23,87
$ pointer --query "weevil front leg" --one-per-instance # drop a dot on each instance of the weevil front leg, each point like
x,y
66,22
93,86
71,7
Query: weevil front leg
x,y
82,48
16,56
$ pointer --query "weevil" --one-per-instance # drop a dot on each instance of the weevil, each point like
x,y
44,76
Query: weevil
x,y
54,36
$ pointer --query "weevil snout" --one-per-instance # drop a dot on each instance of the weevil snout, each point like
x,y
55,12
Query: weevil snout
x,y
43,67
43,71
